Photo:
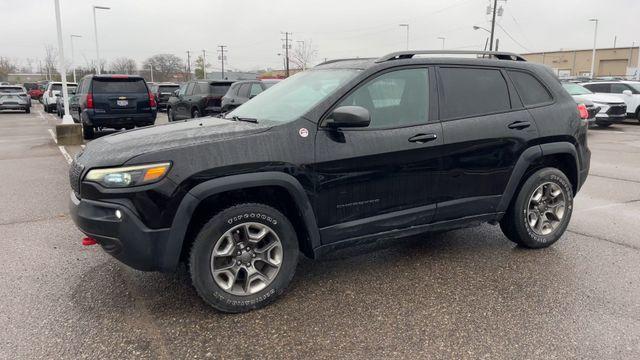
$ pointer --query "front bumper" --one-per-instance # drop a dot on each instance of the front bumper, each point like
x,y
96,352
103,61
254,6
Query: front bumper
x,y
125,238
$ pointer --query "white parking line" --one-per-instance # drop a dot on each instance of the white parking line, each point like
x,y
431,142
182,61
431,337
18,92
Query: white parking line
x,y
62,149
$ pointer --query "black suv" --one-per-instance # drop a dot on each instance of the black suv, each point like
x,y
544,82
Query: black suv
x,y
196,99
162,92
241,91
348,153
112,101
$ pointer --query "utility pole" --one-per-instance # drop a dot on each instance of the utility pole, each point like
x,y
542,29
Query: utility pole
x,y
73,59
189,63
493,24
204,64
286,46
222,57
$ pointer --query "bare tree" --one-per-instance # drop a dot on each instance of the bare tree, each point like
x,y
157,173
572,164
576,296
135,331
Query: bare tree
x,y
90,64
303,54
165,66
7,66
50,61
124,65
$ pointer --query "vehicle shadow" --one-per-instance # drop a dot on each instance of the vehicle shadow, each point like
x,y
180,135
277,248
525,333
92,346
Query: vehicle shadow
x,y
420,262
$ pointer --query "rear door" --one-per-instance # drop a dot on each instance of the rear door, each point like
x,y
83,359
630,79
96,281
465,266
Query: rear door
x,y
120,95
632,100
485,128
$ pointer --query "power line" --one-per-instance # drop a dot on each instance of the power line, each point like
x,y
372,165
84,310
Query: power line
x,y
514,40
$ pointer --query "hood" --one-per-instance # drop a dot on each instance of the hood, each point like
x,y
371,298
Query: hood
x,y
116,149
602,98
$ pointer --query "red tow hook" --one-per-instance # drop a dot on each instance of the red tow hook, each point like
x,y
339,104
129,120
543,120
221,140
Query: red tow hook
x,y
88,241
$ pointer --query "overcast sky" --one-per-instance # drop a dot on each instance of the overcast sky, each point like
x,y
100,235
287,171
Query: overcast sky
x,y
338,28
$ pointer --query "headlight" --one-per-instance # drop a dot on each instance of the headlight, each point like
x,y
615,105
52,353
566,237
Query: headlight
x,y
129,175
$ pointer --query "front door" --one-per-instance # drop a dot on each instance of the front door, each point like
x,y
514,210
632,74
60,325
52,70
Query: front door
x,y
381,178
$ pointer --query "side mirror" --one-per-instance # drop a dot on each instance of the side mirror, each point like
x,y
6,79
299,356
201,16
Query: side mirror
x,y
349,116
627,92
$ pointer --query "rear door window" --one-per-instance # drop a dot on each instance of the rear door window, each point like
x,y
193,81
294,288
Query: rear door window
x,y
168,89
244,90
255,90
468,92
619,88
531,91
599,88
190,87
119,86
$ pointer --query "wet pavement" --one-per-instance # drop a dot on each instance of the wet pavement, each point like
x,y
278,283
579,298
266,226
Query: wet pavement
x,y
464,294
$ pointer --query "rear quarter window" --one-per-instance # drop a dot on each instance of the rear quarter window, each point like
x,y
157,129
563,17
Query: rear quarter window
x,y
530,89
120,86
468,92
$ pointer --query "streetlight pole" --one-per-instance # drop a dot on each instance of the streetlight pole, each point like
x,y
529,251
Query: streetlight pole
x,y
443,39
407,27
593,53
73,60
66,119
151,69
95,30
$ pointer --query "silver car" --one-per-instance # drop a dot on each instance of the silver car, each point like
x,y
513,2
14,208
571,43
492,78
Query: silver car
x,y
14,97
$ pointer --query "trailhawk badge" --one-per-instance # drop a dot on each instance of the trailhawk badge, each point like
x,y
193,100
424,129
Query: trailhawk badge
x,y
303,132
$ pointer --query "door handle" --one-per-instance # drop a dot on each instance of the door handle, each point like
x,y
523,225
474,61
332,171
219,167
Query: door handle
x,y
519,125
423,138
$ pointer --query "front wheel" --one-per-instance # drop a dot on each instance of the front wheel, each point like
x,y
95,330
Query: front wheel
x,y
244,258
541,211
27,110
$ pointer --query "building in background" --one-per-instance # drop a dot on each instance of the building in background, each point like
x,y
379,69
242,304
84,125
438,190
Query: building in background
x,y
232,75
618,62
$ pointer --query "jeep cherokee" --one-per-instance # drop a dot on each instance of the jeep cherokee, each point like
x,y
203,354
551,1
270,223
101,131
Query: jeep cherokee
x,y
347,153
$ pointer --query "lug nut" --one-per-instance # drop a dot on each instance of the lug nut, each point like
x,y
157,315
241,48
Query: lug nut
x,y
248,264
253,255
248,248
239,263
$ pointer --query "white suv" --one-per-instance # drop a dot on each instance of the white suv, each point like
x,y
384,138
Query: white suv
x,y
627,91
49,96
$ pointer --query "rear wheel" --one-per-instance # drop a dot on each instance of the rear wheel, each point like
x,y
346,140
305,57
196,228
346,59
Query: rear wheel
x,y
195,113
27,110
541,211
244,258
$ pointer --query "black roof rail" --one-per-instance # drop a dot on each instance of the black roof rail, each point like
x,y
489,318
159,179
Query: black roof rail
x,y
411,53
339,60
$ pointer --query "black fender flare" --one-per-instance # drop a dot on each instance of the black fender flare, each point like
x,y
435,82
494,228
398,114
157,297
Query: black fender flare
x,y
206,189
526,159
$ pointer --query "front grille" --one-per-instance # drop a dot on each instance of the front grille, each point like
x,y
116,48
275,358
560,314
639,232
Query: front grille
x,y
75,172
617,110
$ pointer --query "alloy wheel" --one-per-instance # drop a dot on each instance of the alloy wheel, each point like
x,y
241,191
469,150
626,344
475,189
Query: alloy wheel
x,y
246,258
546,208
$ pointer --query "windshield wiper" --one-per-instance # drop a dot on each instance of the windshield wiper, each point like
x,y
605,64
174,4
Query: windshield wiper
x,y
251,120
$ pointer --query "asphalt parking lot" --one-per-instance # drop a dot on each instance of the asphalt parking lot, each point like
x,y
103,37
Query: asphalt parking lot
x,y
465,294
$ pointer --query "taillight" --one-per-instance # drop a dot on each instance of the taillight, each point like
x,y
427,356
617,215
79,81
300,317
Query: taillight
x,y
584,113
152,100
89,100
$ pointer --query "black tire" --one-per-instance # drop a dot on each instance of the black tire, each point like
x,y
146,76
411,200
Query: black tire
x,y
27,110
88,132
202,248
195,113
638,113
515,223
603,125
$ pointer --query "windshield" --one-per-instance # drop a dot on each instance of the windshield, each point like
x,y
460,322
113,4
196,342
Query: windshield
x,y
295,96
575,89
